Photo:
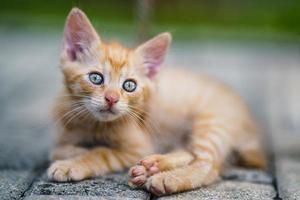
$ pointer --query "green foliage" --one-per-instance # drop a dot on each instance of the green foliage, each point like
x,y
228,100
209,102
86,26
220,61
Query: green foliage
x,y
262,16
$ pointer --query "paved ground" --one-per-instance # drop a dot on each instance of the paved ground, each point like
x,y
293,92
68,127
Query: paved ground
x,y
265,73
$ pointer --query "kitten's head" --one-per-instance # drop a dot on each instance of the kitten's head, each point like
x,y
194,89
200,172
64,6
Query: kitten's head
x,y
109,80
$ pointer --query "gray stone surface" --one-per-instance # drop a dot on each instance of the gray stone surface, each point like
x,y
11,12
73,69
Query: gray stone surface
x,y
75,197
228,190
288,178
115,187
248,175
108,187
13,183
61,197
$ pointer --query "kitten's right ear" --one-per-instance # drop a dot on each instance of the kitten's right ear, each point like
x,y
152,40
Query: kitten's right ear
x,y
80,37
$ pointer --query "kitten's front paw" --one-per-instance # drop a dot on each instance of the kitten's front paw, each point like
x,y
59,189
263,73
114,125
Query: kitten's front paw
x,y
162,184
66,170
144,169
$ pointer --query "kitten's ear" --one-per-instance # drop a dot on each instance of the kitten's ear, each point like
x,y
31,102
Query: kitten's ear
x,y
80,37
153,53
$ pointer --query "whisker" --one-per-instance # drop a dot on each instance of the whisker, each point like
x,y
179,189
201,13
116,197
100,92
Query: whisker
x,y
151,122
139,122
81,96
75,116
70,112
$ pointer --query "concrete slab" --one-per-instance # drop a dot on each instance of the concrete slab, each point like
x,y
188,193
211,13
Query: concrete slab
x,y
288,178
248,175
108,187
74,197
13,183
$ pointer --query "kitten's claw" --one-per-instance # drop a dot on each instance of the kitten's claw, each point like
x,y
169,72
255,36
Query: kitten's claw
x,y
65,170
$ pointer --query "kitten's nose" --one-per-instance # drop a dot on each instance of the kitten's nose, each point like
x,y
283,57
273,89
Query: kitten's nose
x,y
111,97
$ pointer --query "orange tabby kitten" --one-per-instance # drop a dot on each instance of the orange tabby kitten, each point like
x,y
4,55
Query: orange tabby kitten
x,y
120,106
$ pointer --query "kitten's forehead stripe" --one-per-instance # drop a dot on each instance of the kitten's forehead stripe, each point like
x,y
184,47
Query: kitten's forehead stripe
x,y
117,56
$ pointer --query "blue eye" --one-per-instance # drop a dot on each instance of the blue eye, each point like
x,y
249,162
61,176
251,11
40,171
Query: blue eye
x,y
96,78
129,85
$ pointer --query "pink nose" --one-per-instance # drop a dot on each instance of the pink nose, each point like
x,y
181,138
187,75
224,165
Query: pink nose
x,y
111,98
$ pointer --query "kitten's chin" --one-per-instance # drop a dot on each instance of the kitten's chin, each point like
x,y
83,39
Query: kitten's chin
x,y
106,116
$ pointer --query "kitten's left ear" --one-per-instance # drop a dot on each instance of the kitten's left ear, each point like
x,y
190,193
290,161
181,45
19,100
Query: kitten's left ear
x,y
80,37
153,53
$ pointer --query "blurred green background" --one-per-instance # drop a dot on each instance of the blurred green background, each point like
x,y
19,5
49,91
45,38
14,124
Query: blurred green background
x,y
258,19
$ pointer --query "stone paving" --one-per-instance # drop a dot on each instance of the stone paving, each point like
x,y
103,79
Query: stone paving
x,y
266,74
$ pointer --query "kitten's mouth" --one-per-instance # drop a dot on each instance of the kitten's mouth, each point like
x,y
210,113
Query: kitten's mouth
x,y
108,110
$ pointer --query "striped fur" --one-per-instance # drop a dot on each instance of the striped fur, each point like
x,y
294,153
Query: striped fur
x,y
178,126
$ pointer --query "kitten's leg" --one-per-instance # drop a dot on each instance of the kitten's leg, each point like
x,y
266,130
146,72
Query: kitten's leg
x,y
210,145
210,148
95,162
156,163
66,152
131,145
192,176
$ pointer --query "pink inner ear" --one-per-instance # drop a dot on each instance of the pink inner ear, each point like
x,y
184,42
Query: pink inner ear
x,y
152,72
153,63
154,52
76,41
79,34
72,48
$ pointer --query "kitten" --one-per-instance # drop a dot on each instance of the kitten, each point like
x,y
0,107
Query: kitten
x,y
119,106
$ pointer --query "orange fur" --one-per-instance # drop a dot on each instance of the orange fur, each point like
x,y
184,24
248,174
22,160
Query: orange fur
x,y
197,119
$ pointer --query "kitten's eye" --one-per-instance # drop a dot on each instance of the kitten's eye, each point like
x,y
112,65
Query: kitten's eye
x,y
129,85
96,78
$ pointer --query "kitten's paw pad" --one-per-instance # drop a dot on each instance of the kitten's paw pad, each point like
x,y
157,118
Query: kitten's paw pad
x,y
65,170
153,163
161,184
137,181
144,169
138,176
137,170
